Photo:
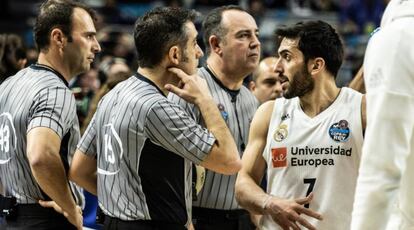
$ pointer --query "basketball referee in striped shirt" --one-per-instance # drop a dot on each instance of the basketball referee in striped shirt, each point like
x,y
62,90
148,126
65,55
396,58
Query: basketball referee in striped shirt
x,y
142,143
233,48
39,129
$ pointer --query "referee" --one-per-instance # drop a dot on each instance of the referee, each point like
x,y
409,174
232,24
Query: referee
x,y
38,124
143,144
233,48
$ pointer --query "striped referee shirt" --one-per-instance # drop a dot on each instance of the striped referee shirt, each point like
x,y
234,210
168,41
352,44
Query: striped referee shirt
x,y
36,96
144,146
237,108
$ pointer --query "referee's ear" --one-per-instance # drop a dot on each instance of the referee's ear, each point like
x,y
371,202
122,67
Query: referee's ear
x,y
58,38
214,42
174,55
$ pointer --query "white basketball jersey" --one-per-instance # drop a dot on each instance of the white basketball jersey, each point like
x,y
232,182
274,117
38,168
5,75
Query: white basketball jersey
x,y
319,155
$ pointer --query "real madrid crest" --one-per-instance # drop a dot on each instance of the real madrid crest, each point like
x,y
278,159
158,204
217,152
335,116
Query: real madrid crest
x,y
281,133
340,131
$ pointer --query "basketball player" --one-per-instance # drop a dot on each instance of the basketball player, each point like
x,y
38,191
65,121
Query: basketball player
x,y
310,140
265,84
39,129
233,49
143,144
385,191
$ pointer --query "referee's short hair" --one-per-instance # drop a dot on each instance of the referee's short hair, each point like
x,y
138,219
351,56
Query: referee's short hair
x,y
316,39
212,24
159,29
56,14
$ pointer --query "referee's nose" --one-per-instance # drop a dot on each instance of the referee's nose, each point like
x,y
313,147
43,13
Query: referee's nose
x,y
96,47
199,52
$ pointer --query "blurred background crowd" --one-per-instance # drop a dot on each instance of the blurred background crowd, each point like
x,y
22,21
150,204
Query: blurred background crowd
x,y
354,19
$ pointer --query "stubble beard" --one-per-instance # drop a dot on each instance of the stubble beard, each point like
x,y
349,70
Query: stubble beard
x,y
302,83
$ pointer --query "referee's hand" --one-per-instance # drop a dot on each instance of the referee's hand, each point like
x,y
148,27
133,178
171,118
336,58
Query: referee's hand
x,y
75,217
191,88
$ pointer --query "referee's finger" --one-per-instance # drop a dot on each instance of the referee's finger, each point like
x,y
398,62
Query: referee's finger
x,y
174,89
180,73
46,204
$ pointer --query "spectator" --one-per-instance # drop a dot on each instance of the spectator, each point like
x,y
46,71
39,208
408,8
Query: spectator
x,y
12,55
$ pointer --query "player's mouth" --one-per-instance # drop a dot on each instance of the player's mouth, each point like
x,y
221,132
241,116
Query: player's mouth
x,y
283,79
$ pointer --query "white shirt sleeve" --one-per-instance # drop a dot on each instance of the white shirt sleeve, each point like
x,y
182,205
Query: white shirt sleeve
x,y
388,145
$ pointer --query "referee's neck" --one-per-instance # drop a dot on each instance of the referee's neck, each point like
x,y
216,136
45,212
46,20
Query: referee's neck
x,y
230,79
56,64
159,77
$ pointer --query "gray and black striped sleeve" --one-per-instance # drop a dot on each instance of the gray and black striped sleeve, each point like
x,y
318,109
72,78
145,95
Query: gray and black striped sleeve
x,y
191,109
87,143
171,127
53,108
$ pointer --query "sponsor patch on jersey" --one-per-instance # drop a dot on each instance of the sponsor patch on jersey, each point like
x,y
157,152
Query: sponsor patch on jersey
x,y
340,131
281,133
279,157
223,112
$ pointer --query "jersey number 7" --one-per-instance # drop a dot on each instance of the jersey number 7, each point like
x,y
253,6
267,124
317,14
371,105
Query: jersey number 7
x,y
311,182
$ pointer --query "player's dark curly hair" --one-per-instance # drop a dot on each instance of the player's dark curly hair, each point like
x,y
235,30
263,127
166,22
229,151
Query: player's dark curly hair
x,y
317,39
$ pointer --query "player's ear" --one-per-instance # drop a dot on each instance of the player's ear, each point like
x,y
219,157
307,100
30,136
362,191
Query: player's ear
x,y
316,65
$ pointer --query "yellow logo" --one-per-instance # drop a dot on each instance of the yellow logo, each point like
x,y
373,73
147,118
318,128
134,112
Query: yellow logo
x,y
281,133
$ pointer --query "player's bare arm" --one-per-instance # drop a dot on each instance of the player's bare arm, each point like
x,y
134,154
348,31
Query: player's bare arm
x,y
364,112
248,192
358,82
83,171
43,146
223,157
285,212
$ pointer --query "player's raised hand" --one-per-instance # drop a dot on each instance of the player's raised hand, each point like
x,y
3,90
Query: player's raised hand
x,y
191,88
287,213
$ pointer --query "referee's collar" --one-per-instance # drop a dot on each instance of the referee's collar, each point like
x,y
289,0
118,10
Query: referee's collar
x,y
233,93
38,66
143,78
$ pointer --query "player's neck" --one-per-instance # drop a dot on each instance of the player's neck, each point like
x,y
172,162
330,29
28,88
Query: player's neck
x,y
320,98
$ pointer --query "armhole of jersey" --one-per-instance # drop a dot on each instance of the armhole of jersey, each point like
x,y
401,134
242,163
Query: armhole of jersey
x,y
358,117
266,150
